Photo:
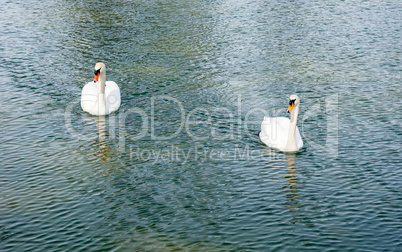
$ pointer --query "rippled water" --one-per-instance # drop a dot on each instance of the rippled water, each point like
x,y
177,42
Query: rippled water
x,y
179,166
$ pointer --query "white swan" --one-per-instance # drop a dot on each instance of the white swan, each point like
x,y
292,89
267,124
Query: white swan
x,y
100,97
280,132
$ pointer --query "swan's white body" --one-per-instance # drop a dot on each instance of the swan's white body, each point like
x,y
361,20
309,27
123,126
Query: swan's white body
x,y
281,133
100,97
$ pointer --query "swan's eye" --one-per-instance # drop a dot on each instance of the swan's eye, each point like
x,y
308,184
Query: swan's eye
x,y
97,71
291,102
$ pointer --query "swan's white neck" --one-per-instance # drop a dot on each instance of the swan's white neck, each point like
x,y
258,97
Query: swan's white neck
x,y
101,93
291,145
102,81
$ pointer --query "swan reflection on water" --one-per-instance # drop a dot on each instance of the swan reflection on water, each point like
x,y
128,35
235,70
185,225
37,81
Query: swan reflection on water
x,y
292,187
103,151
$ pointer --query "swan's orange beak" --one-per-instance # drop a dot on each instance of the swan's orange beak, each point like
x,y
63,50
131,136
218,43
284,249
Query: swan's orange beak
x,y
291,104
96,77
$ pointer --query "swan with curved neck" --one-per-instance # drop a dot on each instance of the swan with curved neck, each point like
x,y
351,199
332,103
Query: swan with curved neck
x,y
100,97
280,132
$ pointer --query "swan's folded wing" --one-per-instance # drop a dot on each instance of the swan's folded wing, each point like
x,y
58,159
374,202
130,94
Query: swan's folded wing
x,y
274,132
112,96
89,96
299,140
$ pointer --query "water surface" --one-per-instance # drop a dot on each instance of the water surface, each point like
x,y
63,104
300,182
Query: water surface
x,y
179,166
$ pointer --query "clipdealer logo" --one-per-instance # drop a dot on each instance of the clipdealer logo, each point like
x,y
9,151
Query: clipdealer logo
x,y
200,124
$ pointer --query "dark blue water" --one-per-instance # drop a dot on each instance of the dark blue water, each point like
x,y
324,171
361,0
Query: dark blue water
x,y
179,166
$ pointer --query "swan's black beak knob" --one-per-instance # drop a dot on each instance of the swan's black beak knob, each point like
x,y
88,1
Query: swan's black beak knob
x,y
97,73
291,105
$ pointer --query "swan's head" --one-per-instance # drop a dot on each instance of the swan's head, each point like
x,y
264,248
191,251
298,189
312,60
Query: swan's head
x,y
100,68
294,101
